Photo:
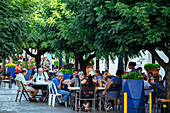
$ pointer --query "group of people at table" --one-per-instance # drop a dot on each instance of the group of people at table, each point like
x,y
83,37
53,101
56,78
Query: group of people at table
x,y
79,78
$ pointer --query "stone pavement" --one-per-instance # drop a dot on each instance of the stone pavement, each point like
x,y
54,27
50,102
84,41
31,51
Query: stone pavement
x,y
8,104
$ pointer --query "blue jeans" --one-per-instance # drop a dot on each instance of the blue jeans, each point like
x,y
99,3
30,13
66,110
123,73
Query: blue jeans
x,y
66,95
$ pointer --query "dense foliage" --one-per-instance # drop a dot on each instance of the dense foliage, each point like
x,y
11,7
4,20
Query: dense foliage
x,y
10,65
151,66
66,71
133,75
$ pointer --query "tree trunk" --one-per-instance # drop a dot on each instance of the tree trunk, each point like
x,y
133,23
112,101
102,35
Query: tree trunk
x,y
97,64
76,63
3,66
60,63
38,60
167,95
83,65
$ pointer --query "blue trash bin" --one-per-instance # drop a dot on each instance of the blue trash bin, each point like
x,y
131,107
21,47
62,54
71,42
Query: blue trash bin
x,y
135,95
12,71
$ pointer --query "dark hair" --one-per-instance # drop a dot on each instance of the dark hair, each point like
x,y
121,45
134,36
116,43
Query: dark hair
x,y
98,71
132,64
90,80
139,68
119,72
150,73
104,72
75,70
23,71
145,78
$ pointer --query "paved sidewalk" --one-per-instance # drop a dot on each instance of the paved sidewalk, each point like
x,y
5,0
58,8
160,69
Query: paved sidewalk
x,y
8,104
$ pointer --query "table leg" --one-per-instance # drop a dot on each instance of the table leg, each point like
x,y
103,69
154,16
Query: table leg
x,y
100,102
76,102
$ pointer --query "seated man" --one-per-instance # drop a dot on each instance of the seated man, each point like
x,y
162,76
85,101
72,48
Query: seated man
x,y
40,75
76,81
21,78
114,80
57,81
160,88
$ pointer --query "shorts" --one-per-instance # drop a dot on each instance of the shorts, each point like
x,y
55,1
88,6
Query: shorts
x,y
40,86
29,89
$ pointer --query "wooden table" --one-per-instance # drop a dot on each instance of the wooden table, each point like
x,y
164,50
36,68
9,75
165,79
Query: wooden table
x,y
77,89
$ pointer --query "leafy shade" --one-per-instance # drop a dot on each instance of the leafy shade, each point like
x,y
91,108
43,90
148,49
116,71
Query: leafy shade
x,y
91,63
66,71
10,65
133,75
56,63
15,62
151,66
27,65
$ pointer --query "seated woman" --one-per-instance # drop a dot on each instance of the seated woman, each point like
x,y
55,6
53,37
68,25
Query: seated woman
x,y
91,82
104,80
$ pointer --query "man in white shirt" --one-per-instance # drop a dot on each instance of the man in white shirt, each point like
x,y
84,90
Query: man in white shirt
x,y
40,76
21,78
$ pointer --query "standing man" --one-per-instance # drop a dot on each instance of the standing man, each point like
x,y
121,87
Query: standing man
x,y
21,78
57,81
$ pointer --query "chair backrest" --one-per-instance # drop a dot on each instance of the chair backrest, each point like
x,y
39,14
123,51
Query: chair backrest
x,y
54,89
50,87
87,91
18,83
115,87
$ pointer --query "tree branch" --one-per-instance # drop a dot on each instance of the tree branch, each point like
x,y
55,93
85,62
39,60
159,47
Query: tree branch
x,y
90,57
157,57
165,50
31,54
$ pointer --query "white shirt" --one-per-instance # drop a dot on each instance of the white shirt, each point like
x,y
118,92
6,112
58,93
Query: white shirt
x,y
40,77
146,88
21,78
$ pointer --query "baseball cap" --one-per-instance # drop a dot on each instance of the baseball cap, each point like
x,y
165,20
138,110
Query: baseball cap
x,y
81,72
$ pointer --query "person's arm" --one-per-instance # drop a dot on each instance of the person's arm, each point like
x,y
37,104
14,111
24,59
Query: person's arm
x,y
107,87
59,86
71,82
84,81
100,83
46,76
34,76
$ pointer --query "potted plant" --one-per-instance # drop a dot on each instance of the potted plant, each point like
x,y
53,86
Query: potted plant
x,y
133,84
89,65
154,68
66,72
28,66
11,69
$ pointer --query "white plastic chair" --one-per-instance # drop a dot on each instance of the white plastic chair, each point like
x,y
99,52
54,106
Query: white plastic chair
x,y
50,92
54,95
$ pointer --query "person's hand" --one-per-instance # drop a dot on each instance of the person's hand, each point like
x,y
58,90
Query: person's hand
x,y
61,80
103,93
